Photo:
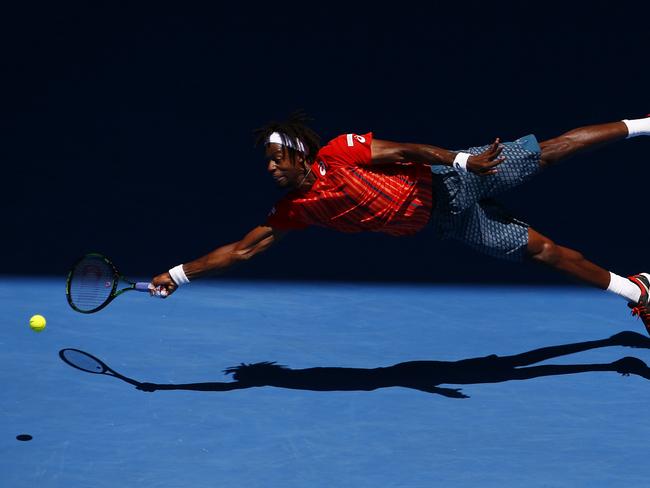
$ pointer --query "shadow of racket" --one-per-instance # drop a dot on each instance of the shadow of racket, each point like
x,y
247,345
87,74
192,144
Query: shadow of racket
x,y
90,364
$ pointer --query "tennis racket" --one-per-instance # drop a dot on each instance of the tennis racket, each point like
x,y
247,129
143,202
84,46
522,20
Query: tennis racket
x,y
93,281
90,364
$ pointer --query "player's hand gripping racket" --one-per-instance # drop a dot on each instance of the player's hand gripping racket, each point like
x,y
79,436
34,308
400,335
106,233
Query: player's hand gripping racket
x,y
90,364
93,282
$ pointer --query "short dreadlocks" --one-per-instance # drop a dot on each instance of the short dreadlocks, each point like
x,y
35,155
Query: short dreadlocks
x,y
295,127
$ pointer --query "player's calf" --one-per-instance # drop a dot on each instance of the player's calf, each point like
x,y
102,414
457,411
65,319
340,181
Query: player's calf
x,y
635,289
543,250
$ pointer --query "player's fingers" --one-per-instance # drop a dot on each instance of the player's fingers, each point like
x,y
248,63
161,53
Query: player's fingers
x,y
168,290
492,150
495,145
490,168
488,165
158,291
495,162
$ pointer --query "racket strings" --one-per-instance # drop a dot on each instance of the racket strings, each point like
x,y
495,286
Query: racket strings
x,y
91,283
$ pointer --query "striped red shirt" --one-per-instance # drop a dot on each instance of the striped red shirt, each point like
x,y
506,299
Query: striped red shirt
x,y
351,195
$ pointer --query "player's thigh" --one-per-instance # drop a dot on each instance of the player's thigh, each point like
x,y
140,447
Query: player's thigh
x,y
491,230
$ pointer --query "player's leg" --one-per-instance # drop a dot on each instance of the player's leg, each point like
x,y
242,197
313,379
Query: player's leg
x,y
590,137
494,369
626,338
489,229
624,366
543,250
634,289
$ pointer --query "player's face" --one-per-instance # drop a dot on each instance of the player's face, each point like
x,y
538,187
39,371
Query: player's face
x,y
285,173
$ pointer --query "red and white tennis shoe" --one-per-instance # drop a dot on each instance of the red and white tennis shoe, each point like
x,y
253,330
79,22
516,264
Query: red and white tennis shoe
x,y
641,309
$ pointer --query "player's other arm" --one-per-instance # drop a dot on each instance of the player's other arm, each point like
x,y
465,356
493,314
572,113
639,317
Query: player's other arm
x,y
257,240
387,152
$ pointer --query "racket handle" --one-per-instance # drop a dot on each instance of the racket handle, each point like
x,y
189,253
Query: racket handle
x,y
158,291
143,286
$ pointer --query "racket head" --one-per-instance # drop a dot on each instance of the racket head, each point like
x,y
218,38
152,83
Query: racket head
x,y
83,361
91,283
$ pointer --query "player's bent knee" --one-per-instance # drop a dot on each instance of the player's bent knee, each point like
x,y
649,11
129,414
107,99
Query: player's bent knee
x,y
546,252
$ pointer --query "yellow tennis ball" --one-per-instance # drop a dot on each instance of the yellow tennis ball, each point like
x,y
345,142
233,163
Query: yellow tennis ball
x,y
37,323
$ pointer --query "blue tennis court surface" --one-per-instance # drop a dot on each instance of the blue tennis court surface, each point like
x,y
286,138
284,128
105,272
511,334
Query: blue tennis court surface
x,y
585,429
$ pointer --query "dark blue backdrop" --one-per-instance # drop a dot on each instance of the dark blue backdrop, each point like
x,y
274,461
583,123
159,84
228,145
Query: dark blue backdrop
x,y
127,129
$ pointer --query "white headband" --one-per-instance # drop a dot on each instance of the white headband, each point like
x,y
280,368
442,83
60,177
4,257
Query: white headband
x,y
284,140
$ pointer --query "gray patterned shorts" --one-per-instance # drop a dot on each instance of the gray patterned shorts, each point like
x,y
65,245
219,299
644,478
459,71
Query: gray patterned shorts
x,y
465,209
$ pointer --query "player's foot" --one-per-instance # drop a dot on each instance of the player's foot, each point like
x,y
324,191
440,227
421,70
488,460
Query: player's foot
x,y
641,309
628,338
630,365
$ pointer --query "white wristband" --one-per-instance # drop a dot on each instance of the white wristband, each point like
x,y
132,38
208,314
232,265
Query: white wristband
x,y
178,275
460,161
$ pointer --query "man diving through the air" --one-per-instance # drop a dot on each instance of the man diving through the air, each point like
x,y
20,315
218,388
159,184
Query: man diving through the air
x,y
357,182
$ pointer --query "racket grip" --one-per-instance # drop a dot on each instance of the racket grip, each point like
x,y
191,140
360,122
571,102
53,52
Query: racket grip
x,y
158,291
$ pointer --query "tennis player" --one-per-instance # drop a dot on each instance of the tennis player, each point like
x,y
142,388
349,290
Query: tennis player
x,y
357,182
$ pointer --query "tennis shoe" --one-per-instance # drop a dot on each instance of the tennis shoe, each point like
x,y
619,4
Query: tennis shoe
x,y
630,365
641,308
628,338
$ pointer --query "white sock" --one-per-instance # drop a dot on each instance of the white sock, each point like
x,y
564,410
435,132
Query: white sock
x,y
637,127
624,287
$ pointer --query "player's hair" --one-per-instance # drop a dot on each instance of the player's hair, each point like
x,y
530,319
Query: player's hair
x,y
295,127
256,373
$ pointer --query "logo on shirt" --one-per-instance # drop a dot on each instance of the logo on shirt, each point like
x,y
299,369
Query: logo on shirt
x,y
351,137
322,168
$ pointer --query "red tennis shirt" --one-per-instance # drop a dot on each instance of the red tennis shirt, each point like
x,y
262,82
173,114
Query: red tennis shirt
x,y
351,195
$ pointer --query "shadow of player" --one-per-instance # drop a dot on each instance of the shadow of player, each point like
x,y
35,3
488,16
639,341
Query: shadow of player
x,y
425,375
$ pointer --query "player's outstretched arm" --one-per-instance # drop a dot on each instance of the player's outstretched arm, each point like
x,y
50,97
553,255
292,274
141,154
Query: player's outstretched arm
x,y
257,240
216,386
387,152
